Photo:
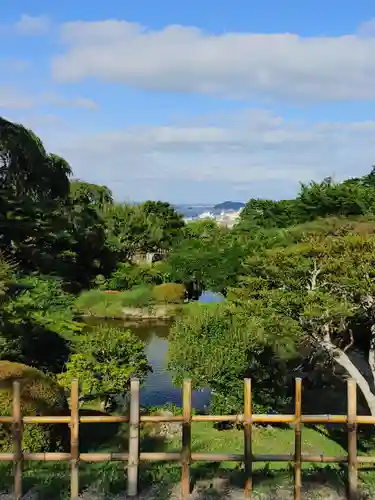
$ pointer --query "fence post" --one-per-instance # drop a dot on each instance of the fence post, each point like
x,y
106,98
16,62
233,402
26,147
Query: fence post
x,y
297,440
133,462
74,440
186,440
248,414
352,440
17,440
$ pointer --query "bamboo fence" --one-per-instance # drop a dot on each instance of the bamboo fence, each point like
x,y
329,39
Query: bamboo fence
x,y
133,457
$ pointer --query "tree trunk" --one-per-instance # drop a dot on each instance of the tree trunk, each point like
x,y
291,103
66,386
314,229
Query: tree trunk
x,y
345,362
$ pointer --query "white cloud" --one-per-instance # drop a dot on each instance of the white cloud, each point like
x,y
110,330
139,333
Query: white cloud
x,y
235,65
255,154
14,98
32,25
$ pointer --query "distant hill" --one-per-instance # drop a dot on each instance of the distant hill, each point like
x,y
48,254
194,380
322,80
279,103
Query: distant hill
x,y
229,205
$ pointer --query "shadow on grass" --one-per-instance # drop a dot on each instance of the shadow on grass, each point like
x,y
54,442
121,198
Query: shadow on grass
x,y
51,480
210,480
211,477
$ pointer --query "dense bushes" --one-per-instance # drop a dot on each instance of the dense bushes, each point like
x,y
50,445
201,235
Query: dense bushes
x,y
37,317
169,293
128,275
104,363
40,395
217,346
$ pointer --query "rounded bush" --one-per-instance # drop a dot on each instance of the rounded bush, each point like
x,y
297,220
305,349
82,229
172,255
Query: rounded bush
x,y
40,395
169,293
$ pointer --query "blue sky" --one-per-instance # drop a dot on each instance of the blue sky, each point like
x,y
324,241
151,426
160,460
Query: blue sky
x,y
194,101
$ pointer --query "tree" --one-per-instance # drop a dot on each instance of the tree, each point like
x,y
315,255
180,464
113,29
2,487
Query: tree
x,y
104,362
217,347
90,194
269,214
33,187
324,283
168,219
352,197
130,230
25,167
37,325
210,263
327,198
202,228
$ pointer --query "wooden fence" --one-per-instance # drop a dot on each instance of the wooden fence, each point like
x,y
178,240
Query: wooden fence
x,y
133,456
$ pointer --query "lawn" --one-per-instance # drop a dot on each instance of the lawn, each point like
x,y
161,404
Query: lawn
x,y
52,480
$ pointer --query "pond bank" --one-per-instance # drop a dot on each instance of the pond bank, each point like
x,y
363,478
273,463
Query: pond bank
x,y
153,313
141,303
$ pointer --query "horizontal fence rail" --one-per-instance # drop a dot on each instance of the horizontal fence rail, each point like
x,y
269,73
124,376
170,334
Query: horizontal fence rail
x,y
134,456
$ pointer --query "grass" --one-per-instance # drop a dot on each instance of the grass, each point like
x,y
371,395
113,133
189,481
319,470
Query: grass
x,y
111,305
52,480
100,303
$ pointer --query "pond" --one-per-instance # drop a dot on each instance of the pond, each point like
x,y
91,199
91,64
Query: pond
x,y
158,388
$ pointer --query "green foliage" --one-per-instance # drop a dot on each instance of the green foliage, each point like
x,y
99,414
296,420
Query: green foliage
x,y
169,293
40,395
212,263
329,198
111,304
122,278
7,270
353,197
45,303
102,304
324,282
269,214
169,221
90,194
154,274
128,275
105,361
37,319
218,346
202,228
129,230
47,227
25,167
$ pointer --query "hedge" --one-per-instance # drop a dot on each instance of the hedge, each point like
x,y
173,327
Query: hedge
x,y
40,395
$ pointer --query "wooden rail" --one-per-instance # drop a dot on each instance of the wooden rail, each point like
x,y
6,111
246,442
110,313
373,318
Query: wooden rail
x,y
134,456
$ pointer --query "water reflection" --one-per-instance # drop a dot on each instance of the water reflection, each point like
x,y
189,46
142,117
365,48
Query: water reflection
x,y
211,297
158,388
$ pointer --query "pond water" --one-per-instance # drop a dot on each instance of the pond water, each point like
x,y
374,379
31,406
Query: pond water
x,y
158,388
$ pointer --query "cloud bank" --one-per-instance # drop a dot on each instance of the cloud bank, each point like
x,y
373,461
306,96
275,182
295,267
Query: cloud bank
x,y
177,58
250,154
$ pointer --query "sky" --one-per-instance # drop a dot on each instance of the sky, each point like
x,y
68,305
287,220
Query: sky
x,y
194,101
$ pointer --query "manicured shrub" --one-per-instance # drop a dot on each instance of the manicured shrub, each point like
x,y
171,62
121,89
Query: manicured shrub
x,y
169,293
40,395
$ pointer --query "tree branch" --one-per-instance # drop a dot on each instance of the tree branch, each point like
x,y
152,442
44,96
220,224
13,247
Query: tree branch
x,y
351,343
345,362
313,278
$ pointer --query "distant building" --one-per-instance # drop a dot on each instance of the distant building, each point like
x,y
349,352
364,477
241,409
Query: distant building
x,y
226,218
